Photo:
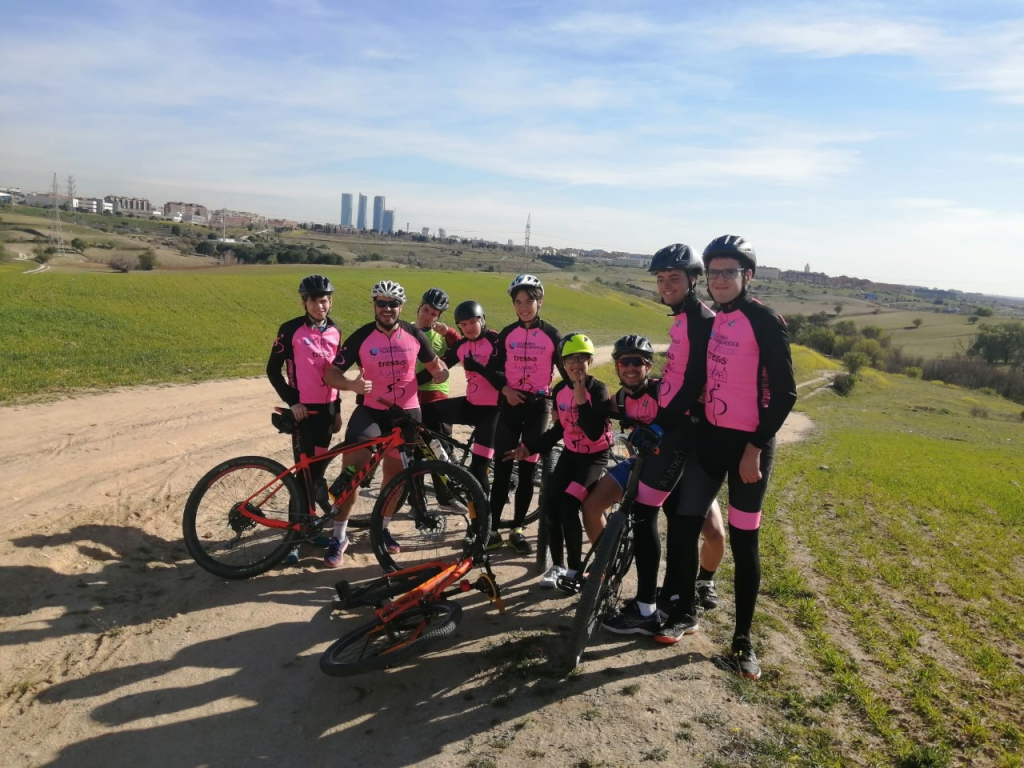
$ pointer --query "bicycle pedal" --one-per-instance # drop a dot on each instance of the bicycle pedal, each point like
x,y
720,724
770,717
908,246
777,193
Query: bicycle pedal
x,y
569,585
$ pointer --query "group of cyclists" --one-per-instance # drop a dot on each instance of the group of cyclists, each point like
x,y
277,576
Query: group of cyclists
x,y
725,390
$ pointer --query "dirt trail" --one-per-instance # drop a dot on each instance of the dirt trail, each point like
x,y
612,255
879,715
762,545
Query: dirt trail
x,y
115,647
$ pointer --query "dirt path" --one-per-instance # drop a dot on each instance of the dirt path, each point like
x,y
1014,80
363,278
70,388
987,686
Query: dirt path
x,y
115,648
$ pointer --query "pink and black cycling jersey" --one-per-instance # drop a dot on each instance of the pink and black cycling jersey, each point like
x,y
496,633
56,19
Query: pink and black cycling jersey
x,y
750,383
581,428
641,406
527,356
682,379
481,387
389,362
304,351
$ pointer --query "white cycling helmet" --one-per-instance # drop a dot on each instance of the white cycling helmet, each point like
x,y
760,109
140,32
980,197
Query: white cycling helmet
x,y
525,281
388,289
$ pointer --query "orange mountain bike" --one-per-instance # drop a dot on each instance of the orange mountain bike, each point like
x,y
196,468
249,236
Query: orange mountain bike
x,y
245,515
418,617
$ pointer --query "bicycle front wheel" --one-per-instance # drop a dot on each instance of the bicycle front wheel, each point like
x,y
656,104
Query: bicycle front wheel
x,y
601,589
380,644
225,541
410,526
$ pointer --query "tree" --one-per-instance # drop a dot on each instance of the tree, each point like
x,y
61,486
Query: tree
x,y
175,230
917,322
972,319
206,248
78,244
1002,343
983,311
43,253
839,307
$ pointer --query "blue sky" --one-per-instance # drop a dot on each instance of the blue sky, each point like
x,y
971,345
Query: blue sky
x,y
882,140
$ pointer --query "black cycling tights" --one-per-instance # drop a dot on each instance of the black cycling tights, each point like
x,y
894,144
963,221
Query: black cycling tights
x,y
684,538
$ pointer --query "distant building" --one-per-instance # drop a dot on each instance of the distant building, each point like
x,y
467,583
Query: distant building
x,y
388,222
133,204
361,215
96,205
49,201
187,210
768,273
425,231
441,234
378,213
226,218
346,209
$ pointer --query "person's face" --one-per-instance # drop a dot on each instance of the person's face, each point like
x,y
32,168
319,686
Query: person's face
x,y
526,308
317,307
472,328
673,285
386,312
726,279
576,365
427,316
633,371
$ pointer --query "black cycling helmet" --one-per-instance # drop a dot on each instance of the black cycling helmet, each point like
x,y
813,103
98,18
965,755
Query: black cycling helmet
x,y
733,247
633,344
436,298
315,285
467,310
676,256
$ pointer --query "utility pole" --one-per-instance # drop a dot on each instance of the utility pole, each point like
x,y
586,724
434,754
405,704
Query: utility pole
x,y
56,239
526,241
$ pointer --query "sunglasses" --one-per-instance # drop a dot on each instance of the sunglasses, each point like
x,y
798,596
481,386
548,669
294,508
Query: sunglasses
x,y
632,362
382,304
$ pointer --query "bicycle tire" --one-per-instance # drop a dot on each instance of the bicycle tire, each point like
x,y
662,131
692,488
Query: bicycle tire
x,y
543,556
610,564
379,644
225,542
380,589
441,532
621,448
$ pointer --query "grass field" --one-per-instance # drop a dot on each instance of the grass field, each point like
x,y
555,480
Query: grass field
x,y
64,331
892,555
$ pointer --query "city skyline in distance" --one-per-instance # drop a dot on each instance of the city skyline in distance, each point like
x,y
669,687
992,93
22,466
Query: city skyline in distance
x,y
877,141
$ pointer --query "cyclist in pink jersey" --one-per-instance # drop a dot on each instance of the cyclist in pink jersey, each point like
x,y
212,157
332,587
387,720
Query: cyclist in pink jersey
x,y
581,405
304,347
386,352
527,353
750,391
479,407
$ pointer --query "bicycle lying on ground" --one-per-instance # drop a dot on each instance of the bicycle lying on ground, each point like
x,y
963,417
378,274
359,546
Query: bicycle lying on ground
x,y
245,515
607,563
419,616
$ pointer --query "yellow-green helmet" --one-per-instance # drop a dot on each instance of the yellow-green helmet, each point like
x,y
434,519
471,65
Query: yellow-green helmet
x,y
574,344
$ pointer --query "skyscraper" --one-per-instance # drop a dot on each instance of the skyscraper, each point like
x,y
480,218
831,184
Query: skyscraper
x,y
388,223
346,209
361,215
378,213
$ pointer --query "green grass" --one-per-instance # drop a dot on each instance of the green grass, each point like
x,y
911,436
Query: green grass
x,y
939,335
64,331
908,518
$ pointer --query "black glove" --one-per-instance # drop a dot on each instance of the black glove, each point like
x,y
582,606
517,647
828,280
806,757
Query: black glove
x,y
471,364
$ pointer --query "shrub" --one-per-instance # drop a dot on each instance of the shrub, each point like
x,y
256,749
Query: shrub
x,y
843,383
972,319
123,263
148,260
854,361
912,371
917,322
979,412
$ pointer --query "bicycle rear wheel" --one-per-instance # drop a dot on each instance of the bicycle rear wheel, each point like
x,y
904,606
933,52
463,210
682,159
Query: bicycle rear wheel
x,y
423,529
228,543
380,644
601,589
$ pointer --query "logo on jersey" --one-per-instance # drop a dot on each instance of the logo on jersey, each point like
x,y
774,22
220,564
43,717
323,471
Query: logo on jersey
x,y
307,341
374,351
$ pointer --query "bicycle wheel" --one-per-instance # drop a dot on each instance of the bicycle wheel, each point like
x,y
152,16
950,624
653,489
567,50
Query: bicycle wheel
x,y
600,590
380,589
380,644
422,528
621,448
226,542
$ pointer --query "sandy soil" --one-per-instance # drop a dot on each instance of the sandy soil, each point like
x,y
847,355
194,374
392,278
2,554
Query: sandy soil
x,y
116,649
